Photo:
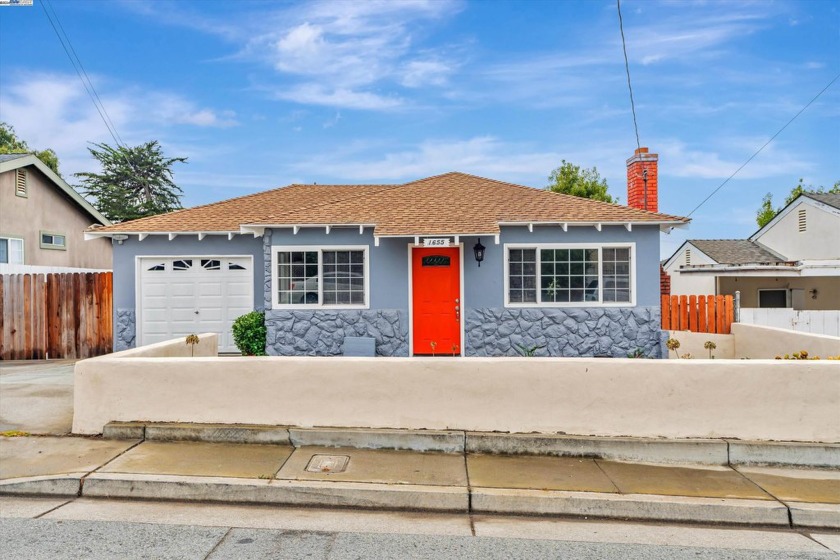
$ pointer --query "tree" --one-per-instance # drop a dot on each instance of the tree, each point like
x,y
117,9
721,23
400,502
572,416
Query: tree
x,y
571,179
11,144
766,212
135,181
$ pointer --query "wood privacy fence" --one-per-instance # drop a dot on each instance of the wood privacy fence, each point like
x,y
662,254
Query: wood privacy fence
x,y
701,314
56,315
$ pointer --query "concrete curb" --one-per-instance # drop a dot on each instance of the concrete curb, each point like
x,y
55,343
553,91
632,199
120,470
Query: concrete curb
x,y
701,451
819,455
822,516
630,506
218,433
50,485
644,450
285,492
362,438
641,507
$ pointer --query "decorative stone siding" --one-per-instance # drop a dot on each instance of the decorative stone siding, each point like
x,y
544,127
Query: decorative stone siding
x,y
569,332
124,329
321,333
267,264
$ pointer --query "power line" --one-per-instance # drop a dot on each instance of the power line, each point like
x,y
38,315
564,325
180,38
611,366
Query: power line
x,y
765,144
627,68
87,85
87,78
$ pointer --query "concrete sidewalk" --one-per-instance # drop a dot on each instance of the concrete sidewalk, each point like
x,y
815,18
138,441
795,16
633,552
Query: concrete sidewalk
x,y
411,480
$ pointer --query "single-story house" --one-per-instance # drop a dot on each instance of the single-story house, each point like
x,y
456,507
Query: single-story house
x,y
793,261
453,264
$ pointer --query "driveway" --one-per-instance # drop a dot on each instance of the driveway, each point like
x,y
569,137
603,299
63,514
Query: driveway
x,y
37,396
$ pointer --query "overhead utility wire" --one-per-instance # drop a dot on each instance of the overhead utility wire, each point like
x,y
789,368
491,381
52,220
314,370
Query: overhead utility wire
x,y
87,78
765,144
627,68
87,85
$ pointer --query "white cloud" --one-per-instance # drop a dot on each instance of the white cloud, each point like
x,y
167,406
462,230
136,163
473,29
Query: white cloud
x,y
342,54
683,161
487,156
314,94
332,121
421,73
54,111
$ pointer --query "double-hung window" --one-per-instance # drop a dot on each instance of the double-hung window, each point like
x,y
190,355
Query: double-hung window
x,y
313,277
558,275
11,250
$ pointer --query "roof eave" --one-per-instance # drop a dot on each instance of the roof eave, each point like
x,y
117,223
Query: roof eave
x,y
31,159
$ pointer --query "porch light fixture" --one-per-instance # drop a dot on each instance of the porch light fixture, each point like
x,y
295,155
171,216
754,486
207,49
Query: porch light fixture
x,y
479,252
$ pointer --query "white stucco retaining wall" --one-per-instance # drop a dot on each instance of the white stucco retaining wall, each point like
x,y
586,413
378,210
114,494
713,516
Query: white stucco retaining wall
x,y
754,341
747,399
692,343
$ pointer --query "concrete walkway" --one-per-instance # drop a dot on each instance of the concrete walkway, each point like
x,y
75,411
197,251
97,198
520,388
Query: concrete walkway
x,y
36,396
429,481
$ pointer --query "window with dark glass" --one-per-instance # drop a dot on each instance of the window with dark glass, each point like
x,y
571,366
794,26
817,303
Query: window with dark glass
x,y
523,275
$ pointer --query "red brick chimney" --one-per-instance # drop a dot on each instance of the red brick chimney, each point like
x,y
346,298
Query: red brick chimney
x,y
642,171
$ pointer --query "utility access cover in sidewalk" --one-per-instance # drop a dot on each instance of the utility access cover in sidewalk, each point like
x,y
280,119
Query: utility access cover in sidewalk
x,y
328,463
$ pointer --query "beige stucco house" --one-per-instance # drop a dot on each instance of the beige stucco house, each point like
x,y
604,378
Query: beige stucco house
x,y
792,262
42,221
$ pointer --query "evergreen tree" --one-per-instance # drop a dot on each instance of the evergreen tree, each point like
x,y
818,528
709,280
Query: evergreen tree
x,y
136,181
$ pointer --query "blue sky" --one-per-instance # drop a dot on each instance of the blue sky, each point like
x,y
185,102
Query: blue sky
x,y
262,94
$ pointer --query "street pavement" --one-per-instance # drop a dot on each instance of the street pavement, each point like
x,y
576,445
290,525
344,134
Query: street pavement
x,y
95,528
37,396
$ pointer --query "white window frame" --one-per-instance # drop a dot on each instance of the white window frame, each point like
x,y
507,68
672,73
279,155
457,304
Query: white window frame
x,y
599,246
275,296
9,239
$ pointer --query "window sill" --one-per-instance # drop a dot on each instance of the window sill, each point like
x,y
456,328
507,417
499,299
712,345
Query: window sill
x,y
571,304
304,307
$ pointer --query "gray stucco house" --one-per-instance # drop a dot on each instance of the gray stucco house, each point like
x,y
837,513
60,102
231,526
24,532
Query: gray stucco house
x,y
400,264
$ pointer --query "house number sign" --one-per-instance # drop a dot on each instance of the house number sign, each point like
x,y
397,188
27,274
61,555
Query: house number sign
x,y
436,242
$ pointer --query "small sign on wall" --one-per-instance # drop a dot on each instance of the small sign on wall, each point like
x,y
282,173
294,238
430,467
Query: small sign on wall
x,y
436,242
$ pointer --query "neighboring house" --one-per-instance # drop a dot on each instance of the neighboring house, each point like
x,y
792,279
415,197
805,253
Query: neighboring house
x,y
793,261
43,221
398,263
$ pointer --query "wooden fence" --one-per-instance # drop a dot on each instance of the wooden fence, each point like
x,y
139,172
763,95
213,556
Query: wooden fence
x,y
55,315
702,314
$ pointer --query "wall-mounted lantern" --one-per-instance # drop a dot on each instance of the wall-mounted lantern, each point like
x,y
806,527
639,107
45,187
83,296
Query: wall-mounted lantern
x,y
479,252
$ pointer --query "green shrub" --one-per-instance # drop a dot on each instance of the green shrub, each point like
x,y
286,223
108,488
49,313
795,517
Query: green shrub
x,y
249,333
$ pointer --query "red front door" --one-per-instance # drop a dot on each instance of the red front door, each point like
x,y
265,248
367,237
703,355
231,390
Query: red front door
x,y
436,301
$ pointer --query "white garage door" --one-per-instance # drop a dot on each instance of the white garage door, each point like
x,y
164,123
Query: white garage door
x,y
184,295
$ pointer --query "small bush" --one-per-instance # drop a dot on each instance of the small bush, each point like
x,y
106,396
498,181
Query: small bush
x,y
249,333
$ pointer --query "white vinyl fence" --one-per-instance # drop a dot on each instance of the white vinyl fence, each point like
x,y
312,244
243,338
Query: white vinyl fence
x,y
815,322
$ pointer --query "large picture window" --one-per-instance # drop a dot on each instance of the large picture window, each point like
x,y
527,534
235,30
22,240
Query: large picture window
x,y
566,275
320,277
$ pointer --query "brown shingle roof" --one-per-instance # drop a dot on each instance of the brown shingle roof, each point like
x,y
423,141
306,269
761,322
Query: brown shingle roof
x,y
735,251
453,203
